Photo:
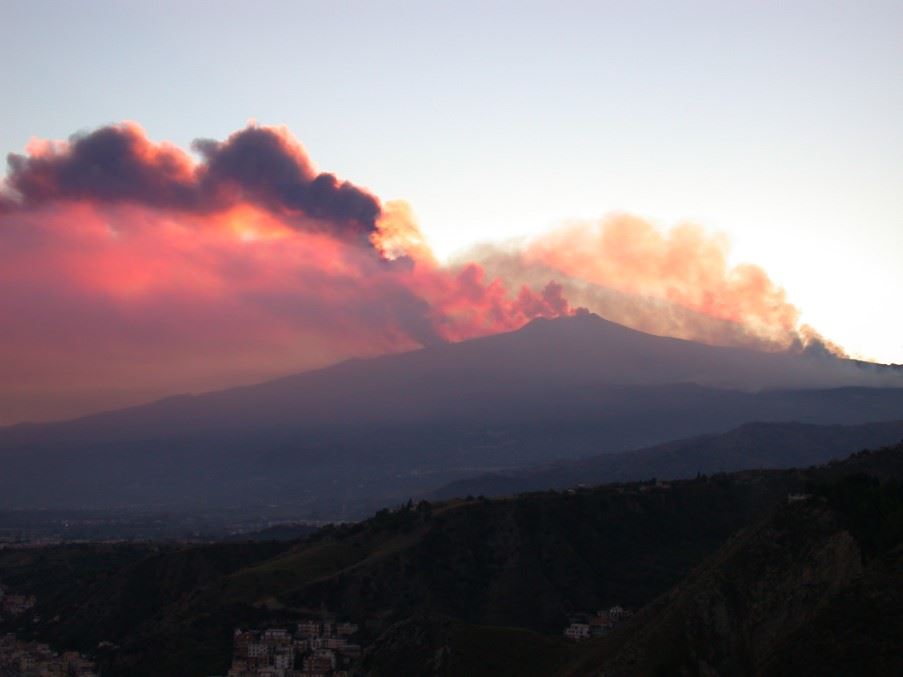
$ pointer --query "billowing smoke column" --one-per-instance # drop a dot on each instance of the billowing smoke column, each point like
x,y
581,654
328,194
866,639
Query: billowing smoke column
x,y
262,166
129,270
676,283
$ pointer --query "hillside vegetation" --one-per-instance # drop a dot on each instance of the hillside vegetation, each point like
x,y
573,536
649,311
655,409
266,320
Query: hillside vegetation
x,y
442,587
815,588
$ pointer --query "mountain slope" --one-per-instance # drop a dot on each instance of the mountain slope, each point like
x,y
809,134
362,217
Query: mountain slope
x,y
457,577
752,445
436,645
395,426
452,380
815,588
526,563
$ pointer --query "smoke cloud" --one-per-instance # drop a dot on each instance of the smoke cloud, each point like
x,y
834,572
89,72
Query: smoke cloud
x,y
263,166
674,283
131,269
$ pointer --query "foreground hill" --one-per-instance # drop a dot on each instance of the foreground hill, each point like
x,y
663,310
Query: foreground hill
x,y
455,578
399,425
528,562
815,588
752,445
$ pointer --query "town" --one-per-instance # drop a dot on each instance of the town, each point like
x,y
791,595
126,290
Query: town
x,y
33,659
317,648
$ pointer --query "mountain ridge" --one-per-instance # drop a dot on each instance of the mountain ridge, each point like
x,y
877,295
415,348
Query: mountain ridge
x,y
752,445
341,440
580,331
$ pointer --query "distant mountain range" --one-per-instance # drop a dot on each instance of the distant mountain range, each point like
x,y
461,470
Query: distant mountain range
x,y
750,446
338,441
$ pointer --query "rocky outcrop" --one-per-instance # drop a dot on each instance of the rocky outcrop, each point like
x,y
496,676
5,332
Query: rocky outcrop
x,y
734,613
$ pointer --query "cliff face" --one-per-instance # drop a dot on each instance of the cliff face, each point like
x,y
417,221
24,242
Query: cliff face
x,y
857,631
768,585
755,604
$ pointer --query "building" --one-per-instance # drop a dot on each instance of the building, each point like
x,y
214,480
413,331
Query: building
x,y
33,659
315,648
584,626
321,662
345,629
577,631
309,629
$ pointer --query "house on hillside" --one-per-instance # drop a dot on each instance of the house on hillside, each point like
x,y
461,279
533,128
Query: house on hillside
x,y
577,631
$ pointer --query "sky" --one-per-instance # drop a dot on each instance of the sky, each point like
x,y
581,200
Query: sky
x,y
772,126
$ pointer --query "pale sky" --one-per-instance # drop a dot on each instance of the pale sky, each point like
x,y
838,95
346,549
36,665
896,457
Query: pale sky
x,y
778,123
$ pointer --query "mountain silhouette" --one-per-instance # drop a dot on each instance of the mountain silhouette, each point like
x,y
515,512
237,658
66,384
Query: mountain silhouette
x,y
389,427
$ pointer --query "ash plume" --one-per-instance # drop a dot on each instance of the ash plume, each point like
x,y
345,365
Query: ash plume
x,y
127,261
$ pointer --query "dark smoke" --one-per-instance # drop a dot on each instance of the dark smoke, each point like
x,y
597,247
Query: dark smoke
x,y
258,165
